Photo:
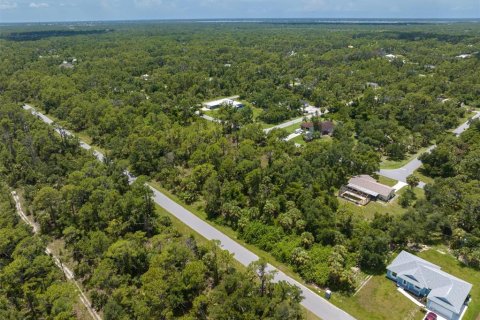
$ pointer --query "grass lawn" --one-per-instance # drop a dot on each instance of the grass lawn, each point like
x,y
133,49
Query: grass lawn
x,y
368,211
299,140
378,300
292,128
419,173
451,265
393,164
387,181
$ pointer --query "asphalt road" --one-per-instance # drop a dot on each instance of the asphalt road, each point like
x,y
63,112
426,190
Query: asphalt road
x,y
402,173
313,302
290,122
285,124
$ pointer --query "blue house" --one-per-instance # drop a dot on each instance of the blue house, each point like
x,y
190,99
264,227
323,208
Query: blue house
x,y
446,295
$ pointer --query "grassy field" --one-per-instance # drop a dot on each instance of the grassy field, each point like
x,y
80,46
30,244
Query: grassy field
x,y
418,173
395,164
368,211
387,181
292,128
378,300
299,140
451,265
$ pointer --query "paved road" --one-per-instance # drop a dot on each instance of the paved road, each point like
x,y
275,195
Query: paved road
x,y
291,122
402,173
66,271
285,124
465,125
313,302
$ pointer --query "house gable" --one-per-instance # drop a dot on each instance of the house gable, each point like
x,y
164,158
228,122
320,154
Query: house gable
x,y
424,278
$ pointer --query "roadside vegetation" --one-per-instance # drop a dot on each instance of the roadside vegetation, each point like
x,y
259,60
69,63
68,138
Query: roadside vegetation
x,y
133,262
272,195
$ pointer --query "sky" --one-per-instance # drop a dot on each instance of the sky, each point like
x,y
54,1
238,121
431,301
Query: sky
x,y
88,10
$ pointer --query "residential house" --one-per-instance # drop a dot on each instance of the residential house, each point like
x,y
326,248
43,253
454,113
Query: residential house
x,y
363,189
66,65
324,127
218,103
307,127
445,294
373,85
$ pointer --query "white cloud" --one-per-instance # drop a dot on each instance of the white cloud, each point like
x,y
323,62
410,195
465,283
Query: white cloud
x,y
5,5
38,5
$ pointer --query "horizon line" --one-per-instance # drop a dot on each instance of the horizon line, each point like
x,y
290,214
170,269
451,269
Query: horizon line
x,y
450,19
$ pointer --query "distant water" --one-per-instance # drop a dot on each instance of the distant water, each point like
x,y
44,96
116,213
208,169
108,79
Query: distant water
x,y
334,21
258,20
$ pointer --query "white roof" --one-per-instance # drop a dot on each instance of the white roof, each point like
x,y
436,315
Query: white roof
x,y
223,101
446,290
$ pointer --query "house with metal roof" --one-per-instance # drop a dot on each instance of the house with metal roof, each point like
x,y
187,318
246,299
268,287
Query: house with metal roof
x,y
222,102
445,294
363,188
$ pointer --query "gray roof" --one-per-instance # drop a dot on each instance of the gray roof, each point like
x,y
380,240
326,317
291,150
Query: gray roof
x,y
369,186
446,290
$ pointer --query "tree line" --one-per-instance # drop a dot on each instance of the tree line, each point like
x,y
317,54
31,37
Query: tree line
x,y
132,260
276,196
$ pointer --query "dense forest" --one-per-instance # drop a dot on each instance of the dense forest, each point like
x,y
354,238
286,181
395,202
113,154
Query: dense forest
x,y
135,91
31,285
133,262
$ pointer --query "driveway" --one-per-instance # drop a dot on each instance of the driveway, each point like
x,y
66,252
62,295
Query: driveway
x,y
292,135
312,301
402,173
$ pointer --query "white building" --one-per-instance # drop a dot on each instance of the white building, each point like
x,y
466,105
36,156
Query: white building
x,y
218,103
446,295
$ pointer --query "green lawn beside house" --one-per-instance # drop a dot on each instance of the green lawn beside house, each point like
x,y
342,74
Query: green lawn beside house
x,y
387,181
451,265
395,164
424,178
378,300
392,207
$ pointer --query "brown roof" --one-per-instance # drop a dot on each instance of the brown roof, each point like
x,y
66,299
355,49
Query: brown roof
x,y
306,125
327,126
369,185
